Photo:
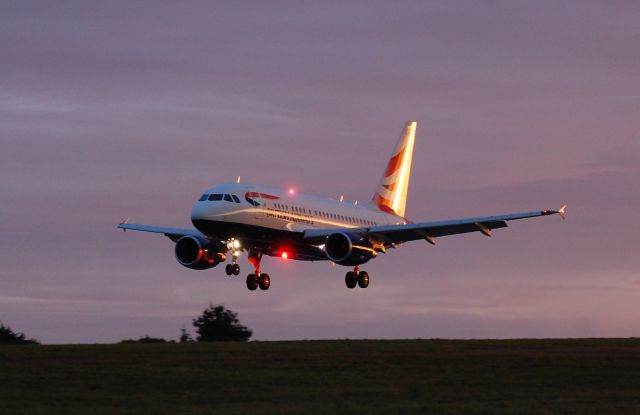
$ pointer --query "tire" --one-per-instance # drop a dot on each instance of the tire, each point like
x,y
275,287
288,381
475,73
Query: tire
x,y
252,282
350,280
363,279
264,282
236,269
229,269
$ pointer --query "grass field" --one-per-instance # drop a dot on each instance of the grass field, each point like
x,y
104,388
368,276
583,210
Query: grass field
x,y
584,376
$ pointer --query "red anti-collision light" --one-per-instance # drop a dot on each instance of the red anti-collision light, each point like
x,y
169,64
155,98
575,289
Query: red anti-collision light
x,y
284,255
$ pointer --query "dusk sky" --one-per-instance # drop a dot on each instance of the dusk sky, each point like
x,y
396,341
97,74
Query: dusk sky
x,y
130,109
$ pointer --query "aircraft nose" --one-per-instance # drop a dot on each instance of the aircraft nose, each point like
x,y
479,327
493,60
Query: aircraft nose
x,y
198,211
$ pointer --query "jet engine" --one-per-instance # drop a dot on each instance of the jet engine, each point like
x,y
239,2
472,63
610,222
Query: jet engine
x,y
197,253
348,249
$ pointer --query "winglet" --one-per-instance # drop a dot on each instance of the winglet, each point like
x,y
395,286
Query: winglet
x,y
563,212
124,222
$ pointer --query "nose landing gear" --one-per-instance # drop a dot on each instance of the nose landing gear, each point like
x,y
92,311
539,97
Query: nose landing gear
x,y
233,268
356,277
257,279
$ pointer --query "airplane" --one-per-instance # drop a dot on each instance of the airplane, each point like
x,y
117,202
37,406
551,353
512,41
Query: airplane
x,y
231,218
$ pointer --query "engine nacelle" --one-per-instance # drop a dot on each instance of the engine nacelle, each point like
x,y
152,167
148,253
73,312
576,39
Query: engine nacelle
x,y
348,249
197,253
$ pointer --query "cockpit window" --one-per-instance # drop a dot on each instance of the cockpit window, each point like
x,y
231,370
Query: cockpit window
x,y
228,198
203,197
217,196
235,198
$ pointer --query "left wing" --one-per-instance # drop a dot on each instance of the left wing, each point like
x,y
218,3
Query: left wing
x,y
172,233
391,235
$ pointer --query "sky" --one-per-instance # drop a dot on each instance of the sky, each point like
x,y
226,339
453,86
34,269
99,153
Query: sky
x,y
130,109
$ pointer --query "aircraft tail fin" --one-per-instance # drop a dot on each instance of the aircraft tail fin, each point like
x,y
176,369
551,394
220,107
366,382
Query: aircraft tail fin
x,y
391,194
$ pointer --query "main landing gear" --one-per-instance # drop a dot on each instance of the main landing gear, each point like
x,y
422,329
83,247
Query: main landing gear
x,y
357,277
257,279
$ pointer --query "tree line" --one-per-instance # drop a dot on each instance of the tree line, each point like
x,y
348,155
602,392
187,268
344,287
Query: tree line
x,y
216,323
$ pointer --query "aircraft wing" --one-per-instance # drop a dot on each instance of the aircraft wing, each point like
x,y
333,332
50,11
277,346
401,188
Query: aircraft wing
x,y
172,233
391,235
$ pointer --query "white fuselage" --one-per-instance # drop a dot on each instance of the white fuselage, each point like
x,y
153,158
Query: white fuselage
x,y
283,210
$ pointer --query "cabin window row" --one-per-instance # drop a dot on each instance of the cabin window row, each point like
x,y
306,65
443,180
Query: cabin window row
x,y
220,196
322,214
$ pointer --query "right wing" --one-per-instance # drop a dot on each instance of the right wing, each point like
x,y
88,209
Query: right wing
x,y
172,233
391,235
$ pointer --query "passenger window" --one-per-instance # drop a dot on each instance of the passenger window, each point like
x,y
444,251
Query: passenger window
x,y
203,198
235,198
228,198
215,197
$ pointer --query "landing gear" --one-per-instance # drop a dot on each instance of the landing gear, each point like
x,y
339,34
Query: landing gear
x,y
232,269
356,277
264,282
252,282
257,279
350,280
363,279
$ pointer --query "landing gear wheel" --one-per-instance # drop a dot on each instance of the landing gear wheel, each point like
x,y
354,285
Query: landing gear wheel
x,y
363,279
252,282
264,282
229,269
350,280
235,269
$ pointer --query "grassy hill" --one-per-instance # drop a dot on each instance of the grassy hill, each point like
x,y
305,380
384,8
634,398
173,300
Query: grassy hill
x,y
583,376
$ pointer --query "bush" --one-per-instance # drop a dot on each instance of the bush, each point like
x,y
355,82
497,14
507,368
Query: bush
x,y
145,339
185,337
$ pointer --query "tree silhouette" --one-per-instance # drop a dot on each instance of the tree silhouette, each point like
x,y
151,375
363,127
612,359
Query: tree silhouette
x,y
219,324
8,336
185,337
